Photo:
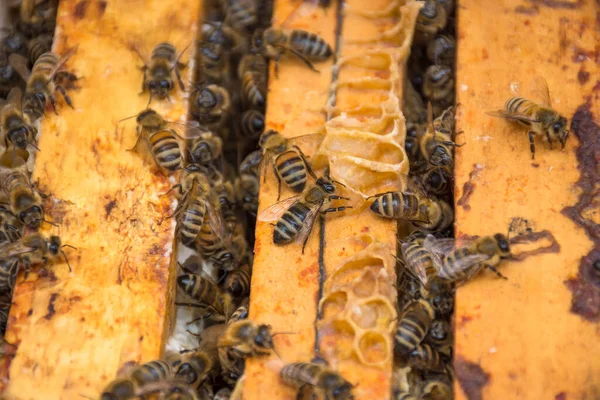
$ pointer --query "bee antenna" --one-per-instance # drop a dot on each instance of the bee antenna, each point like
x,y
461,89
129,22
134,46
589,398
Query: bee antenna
x,y
48,222
283,333
276,353
67,260
150,101
338,182
194,334
125,119
69,246
33,145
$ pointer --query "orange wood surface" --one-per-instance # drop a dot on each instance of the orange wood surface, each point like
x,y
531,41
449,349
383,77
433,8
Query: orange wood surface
x,y
75,330
519,339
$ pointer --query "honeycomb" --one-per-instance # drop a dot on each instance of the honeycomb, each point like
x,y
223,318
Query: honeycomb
x,y
358,302
364,143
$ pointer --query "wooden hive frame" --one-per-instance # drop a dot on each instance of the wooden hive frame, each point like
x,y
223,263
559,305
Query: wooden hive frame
x,y
530,337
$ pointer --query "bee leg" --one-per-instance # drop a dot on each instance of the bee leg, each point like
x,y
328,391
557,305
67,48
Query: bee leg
x,y
53,102
336,209
277,57
65,95
307,236
449,143
301,390
549,139
532,144
27,265
278,185
308,168
181,86
496,271
304,59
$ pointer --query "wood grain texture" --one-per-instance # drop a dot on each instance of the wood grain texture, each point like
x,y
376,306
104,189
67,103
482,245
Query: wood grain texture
x,y
75,330
519,338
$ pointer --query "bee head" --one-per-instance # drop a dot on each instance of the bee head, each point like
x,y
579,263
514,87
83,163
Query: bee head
x,y
201,153
271,140
31,217
559,130
338,388
503,245
326,184
187,373
54,245
440,156
160,87
19,137
120,389
206,99
263,337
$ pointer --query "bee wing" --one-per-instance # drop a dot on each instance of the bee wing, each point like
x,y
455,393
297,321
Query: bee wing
x,y
62,61
439,246
19,63
192,129
275,211
512,117
540,90
215,220
308,224
311,139
15,96
9,250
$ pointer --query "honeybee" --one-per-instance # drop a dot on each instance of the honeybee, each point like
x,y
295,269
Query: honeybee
x,y
10,227
14,42
246,189
419,260
139,377
9,267
207,148
241,313
38,46
237,282
541,119
437,180
425,357
438,84
158,73
35,248
296,215
307,46
37,17
9,78
316,378
413,326
437,389
41,83
250,164
207,294
229,252
442,50
252,124
223,394
440,333
248,339
288,161
5,303
196,212
464,262
432,19
223,195
16,126
240,14
195,367
224,35
161,139
211,105
425,212
214,65
25,202
436,143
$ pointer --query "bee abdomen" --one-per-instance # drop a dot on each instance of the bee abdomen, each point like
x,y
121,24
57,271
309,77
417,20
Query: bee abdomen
x,y
450,269
254,89
310,45
164,51
289,224
191,222
152,371
207,242
242,14
291,168
519,105
166,150
413,327
45,63
237,282
300,373
425,357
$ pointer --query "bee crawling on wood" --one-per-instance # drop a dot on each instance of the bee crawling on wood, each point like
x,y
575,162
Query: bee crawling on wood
x,y
41,81
316,378
296,215
158,73
16,127
541,119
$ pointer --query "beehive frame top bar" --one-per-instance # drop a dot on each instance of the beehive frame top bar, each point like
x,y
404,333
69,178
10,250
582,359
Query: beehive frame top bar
x,y
75,330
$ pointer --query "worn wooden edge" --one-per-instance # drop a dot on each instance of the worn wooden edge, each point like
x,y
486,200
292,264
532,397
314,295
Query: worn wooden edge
x,y
533,336
75,330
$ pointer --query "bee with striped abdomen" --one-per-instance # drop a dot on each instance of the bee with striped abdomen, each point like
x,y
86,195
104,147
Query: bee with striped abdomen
x,y
296,215
466,261
207,294
158,73
438,85
206,148
287,159
237,282
541,119
226,253
431,20
248,339
242,15
213,63
316,378
16,127
162,140
442,50
437,180
41,83
25,202
246,190
195,367
413,326
307,46
224,35
38,46
252,72
252,124
425,357
137,380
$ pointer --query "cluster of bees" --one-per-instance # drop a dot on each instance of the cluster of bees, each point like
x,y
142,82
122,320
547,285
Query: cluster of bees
x,y
30,76
218,202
